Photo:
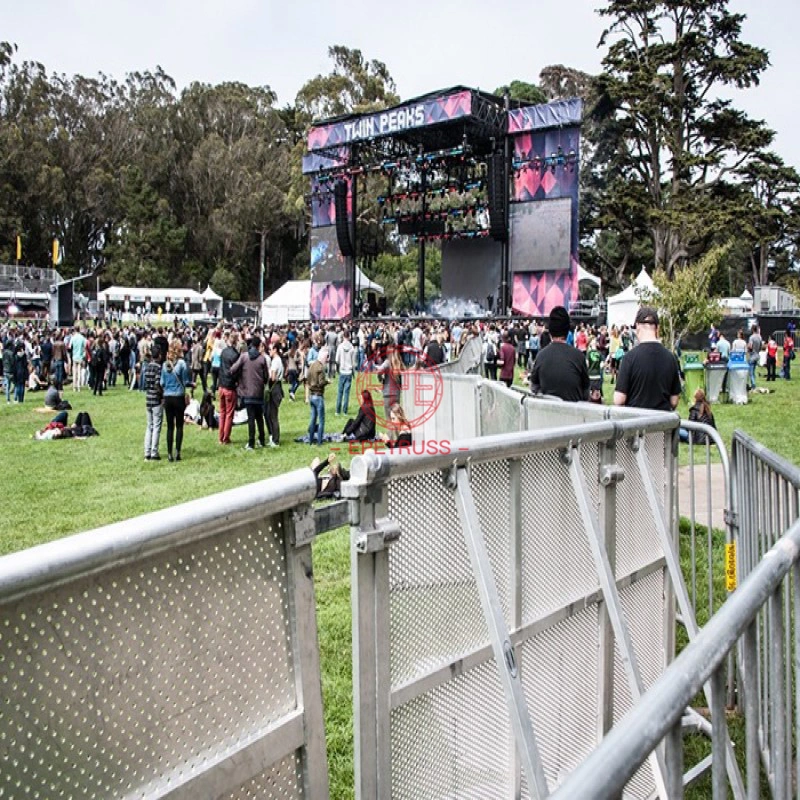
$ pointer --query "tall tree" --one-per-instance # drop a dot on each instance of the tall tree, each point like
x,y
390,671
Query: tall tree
x,y
354,85
770,222
676,140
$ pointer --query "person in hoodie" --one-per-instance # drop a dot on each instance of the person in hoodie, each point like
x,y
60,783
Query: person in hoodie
x,y
20,372
227,387
252,371
345,361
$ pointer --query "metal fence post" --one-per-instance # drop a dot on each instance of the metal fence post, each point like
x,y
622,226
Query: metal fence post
x,y
371,535
515,496
609,476
308,677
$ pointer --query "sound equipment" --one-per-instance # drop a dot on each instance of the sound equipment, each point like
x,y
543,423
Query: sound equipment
x,y
497,189
382,306
62,311
342,222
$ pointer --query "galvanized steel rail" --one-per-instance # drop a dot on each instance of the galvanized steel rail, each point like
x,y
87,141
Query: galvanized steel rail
x,y
658,714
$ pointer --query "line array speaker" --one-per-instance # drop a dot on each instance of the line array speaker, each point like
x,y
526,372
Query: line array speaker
x,y
497,190
342,220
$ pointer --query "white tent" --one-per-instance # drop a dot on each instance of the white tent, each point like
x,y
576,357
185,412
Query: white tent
x,y
584,275
212,301
622,307
292,302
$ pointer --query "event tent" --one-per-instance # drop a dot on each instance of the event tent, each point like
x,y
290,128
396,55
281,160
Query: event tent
x,y
292,302
140,295
622,307
584,275
213,301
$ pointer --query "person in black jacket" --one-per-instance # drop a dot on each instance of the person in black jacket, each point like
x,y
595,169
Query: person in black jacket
x,y
362,428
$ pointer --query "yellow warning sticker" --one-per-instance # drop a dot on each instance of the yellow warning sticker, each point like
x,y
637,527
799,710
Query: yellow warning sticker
x,y
730,566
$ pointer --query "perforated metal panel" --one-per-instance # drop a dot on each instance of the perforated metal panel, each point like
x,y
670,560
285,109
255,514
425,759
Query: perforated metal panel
x,y
435,612
283,780
490,483
643,604
562,691
138,676
557,566
637,538
454,742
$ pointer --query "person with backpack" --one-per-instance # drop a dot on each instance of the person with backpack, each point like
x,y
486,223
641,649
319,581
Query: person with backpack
x,y
97,365
490,358
153,406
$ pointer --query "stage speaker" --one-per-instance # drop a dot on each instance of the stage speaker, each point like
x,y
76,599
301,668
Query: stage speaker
x,y
382,306
65,310
342,222
497,189
372,302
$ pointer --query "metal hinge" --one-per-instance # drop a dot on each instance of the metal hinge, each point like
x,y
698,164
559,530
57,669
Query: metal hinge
x,y
731,518
385,533
611,474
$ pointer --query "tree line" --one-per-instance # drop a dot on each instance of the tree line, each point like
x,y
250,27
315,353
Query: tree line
x,y
157,186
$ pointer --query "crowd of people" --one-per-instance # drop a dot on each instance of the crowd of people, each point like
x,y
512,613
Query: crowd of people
x,y
242,373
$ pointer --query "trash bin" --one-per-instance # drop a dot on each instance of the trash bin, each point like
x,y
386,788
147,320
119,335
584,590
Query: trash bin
x,y
738,375
695,377
715,380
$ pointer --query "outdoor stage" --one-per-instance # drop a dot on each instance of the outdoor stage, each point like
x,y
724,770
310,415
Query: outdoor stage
x,y
493,183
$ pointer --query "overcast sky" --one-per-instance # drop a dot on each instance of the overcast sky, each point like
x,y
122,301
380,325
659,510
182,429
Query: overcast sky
x,y
426,44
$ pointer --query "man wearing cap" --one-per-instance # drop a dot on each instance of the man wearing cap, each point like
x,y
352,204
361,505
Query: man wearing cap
x,y
648,375
560,369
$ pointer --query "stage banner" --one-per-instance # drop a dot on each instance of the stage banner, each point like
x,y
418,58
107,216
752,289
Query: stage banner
x,y
330,300
558,114
535,294
357,128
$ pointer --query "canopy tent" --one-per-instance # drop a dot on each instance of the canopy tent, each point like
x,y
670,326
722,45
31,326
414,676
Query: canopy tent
x,y
622,307
213,301
583,275
292,302
139,295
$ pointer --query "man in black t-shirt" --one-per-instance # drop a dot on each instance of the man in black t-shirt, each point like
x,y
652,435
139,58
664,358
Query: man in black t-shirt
x,y
648,375
560,369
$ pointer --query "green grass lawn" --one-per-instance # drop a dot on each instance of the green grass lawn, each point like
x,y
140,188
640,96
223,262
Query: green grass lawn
x,y
57,488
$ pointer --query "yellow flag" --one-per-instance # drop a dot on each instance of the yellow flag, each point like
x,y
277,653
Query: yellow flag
x,y
19,248
55,252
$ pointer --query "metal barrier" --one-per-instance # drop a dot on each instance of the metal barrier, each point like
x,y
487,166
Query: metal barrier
x,y
767,491
171,655
478,575
658,716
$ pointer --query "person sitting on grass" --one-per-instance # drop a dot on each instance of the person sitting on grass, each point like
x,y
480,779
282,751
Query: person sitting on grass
x,y
52,398
329,486
400,427
362,428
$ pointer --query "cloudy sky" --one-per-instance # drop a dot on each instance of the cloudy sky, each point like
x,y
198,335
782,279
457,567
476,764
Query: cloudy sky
x,y
427,44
